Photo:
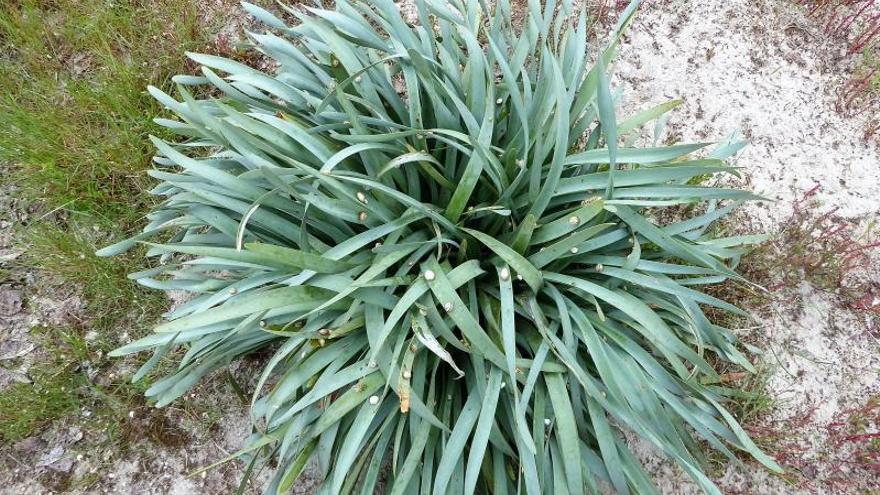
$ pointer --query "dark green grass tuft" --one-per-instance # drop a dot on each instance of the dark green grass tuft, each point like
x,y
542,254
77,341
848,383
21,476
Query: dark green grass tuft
x,y
113,305
73,379
25,408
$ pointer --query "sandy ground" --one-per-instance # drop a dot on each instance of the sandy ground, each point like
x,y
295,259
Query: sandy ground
x,y
760,67
754,66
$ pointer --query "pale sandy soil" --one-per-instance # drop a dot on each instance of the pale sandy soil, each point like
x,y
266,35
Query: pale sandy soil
x,y
760,67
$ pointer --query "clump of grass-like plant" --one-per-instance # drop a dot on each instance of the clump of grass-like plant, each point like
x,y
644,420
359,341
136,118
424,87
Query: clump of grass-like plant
x,y
434,232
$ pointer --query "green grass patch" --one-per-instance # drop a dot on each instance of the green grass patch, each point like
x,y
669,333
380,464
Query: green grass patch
x,y
74,379
26,408
74,120
74,112
113,304
62,387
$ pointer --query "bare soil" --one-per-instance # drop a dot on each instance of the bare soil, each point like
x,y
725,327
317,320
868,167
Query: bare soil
x,y
762,68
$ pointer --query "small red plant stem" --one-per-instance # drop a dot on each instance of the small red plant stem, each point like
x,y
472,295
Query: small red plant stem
x,y
828,24
857,87
867,37
855,16
829,233
861,437
602,8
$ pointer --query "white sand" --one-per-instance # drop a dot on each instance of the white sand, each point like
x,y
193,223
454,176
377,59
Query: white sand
x,y
762,68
